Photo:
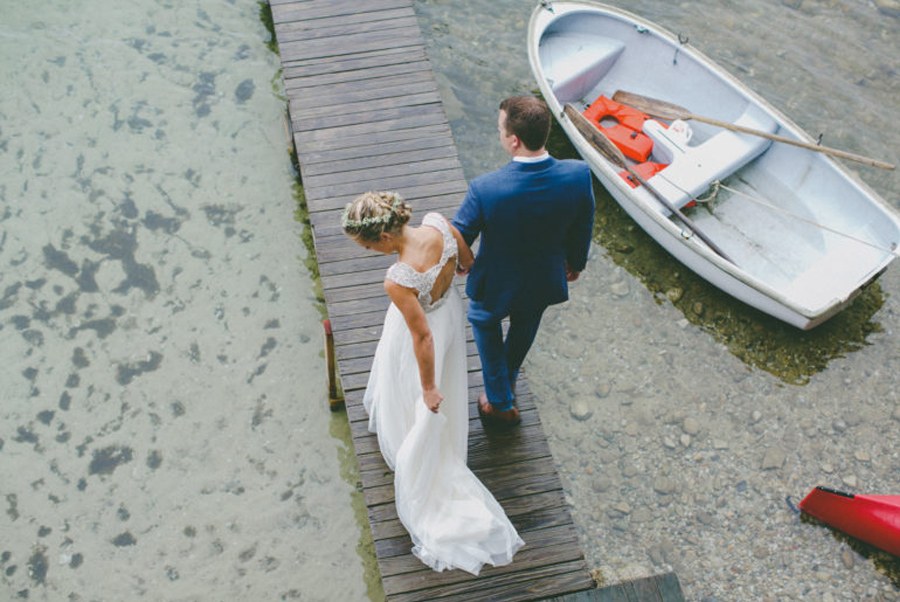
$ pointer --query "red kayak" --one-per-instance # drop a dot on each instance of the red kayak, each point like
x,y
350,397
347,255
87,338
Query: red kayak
x,y
874,519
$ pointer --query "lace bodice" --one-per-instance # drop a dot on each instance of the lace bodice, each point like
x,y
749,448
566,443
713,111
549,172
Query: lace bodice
x,y
423,282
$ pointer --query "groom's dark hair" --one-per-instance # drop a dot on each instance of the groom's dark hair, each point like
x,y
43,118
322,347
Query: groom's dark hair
x,y
528,118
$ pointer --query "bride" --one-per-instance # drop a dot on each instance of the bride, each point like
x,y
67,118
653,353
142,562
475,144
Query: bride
x,y
417,397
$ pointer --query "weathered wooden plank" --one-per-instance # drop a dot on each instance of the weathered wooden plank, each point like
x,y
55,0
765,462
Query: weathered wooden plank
x,y
336,27
357,18
349,45
444,167
404,573
321,9
335,296
519,588
425,139
334,281
502,584
424,105
353,68
370,261
334,137
386,160
346,98
336,196
335,109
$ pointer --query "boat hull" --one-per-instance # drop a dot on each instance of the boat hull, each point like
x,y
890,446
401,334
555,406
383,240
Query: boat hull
x,y
786,261
874,519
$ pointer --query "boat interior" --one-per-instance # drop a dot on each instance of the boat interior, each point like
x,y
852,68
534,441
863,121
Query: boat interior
x,y
784,213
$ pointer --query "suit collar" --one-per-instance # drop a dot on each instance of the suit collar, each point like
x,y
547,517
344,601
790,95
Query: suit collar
x,y
531,166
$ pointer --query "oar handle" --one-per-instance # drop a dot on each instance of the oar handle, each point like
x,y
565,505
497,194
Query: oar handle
x,y
667,110
816,147
604,145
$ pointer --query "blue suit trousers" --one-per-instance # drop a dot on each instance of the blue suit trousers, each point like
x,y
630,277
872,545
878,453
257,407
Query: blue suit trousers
x,y
501,358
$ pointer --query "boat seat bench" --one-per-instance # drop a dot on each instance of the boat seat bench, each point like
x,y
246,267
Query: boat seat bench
x,y
694,168
589,61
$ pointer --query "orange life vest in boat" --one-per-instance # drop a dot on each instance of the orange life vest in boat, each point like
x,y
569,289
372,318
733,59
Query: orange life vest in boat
x,y
645,170
627,132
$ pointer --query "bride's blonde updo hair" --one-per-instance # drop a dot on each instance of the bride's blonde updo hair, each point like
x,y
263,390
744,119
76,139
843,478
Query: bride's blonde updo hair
x,y
373,213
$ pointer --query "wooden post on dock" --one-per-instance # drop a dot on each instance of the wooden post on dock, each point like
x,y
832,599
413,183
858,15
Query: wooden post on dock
x,y
335,398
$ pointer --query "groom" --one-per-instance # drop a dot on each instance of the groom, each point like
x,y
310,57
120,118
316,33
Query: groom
x,y
535,216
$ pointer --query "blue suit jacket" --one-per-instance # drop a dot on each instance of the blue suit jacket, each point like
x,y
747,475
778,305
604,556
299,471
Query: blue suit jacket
x,y
533,218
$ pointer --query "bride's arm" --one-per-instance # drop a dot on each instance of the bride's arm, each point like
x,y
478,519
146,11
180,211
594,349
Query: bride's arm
x,y
423,343
464,256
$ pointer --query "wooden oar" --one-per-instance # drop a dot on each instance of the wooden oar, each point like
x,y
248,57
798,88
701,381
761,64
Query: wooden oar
x,y
598,140
668,110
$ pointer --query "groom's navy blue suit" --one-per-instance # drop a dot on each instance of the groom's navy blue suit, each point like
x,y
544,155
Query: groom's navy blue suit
x,y
534,220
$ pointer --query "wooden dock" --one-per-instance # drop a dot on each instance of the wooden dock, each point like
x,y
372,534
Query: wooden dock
x,y
366,114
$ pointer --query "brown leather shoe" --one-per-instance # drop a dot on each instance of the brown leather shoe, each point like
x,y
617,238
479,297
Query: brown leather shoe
x,y
492,417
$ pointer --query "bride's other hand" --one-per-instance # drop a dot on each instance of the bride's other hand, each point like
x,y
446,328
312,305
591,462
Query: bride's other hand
x,y
433,399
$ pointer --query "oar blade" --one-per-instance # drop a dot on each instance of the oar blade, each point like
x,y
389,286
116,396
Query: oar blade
x,y
652,106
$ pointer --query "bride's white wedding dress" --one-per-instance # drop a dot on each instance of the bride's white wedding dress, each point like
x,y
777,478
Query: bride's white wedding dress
x,y
453,520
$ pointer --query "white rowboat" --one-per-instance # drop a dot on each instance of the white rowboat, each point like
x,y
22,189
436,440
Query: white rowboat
x,y
789,231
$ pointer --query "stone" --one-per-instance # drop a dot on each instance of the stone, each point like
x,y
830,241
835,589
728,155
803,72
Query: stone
x,y
579,410
862,456
850,480
603,390
675,294
620,288
847,558
601,484
691,426
665,486
774,458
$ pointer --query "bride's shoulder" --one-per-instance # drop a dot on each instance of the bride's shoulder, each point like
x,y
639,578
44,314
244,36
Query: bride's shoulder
x,y
436,220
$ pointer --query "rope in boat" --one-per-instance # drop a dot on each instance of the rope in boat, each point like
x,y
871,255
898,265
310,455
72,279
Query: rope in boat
x,y
717,185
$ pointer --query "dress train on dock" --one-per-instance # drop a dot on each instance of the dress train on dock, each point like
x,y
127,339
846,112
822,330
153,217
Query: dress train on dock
x,y
453,520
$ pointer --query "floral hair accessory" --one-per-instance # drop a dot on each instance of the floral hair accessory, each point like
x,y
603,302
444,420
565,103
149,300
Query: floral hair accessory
x,y
384,219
